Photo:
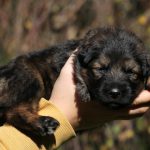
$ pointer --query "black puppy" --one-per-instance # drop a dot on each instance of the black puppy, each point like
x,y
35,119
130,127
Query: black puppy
x,y
113,65
110,66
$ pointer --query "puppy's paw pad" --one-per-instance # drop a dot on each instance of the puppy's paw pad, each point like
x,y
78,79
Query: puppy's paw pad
x,y
49,125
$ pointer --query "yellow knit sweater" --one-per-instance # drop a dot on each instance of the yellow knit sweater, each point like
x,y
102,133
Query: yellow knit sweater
x,y
13,139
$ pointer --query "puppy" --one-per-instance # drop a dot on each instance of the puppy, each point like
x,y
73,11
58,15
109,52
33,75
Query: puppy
x,y
113,66
110,67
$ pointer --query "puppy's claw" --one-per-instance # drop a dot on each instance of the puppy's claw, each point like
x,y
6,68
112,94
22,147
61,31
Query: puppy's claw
x,y
48,125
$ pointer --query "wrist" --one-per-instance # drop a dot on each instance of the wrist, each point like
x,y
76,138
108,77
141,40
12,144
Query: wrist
x,y
68,111
65,130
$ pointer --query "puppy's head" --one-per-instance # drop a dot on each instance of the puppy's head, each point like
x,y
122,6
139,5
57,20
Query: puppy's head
x,y
112,66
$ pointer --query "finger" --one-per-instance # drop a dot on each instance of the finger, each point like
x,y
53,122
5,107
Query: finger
x,y
138,111
70,59
143,98
130,117
132,113
68,65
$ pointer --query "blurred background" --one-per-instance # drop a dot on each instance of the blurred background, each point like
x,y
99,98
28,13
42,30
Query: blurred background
x,y
27,25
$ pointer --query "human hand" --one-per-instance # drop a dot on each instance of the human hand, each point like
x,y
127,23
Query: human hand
x,y
86,115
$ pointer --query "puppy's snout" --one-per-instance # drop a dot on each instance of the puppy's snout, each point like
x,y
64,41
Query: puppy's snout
x,y
114,93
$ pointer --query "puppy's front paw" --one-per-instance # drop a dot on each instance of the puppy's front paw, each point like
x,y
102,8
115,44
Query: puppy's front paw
x,y
48,125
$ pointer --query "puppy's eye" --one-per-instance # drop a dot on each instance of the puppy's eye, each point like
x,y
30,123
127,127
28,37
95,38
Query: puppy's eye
x,y
132,74
101,69
130,71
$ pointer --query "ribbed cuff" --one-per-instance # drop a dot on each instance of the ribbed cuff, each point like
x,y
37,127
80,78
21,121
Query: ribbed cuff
x,y
13,139
65,130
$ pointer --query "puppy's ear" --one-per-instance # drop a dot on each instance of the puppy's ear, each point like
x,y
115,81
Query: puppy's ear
x,y
82,92
85,56
92,44
147,84
146,72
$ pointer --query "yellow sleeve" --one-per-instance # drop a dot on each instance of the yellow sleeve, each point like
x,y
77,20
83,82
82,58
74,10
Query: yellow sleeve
x,y
13,139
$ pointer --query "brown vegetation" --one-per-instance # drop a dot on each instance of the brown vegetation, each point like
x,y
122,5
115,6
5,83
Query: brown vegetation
x,y
31,25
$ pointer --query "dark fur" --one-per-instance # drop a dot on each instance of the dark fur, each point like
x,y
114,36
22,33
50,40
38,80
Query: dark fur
x,y
107,59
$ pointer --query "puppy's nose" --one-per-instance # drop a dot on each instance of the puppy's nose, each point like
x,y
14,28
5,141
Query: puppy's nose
x,y
115,93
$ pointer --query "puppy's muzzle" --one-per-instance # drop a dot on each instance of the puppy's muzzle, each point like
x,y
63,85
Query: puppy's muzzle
x,y
116,94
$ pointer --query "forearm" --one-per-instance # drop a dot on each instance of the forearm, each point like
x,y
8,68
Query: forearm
x,y
65,130
11,138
